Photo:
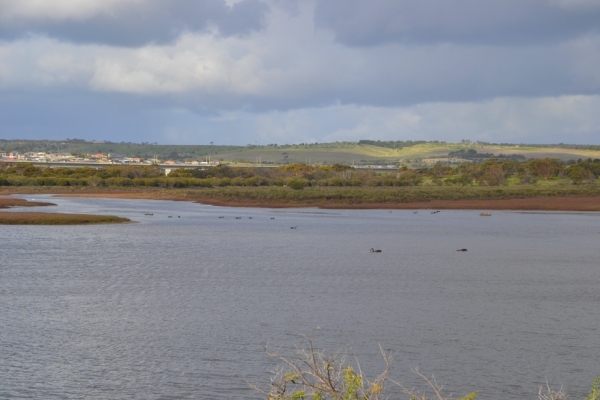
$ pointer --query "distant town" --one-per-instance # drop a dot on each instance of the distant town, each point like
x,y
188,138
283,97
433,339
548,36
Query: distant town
x,y
97,158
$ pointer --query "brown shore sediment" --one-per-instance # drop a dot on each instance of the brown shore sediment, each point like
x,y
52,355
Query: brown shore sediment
x,y
42,218
590,203
38,218
8,202
526,204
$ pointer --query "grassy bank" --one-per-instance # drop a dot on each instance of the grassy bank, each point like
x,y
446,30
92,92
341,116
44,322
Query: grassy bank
x,y
32,218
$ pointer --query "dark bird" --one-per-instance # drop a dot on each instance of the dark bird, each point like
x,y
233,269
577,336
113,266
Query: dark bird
x,y
461,250
293,227
374,251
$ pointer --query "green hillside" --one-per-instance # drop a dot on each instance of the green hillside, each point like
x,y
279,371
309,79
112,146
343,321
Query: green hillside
x,y
363,152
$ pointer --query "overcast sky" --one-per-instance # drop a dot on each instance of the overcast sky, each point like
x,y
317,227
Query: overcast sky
x,y
291,71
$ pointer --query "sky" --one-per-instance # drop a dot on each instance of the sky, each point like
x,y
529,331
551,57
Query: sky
x,y
300,71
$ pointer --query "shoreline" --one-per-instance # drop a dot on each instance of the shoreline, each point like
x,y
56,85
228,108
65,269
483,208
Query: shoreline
x,y
580,204
40,218
535,203
11,202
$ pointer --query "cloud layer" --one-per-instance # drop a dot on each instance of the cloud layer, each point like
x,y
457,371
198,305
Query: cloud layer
x,y
290,71
127,22
417,22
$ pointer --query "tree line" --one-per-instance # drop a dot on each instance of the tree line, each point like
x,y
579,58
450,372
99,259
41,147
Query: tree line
x,y
492,172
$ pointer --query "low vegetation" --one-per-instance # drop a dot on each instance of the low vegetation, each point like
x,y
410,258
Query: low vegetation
x,y
32,218
302,184
8,202
493,172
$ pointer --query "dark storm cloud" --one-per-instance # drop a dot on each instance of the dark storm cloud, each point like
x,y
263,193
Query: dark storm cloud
x,y
153,21
505,22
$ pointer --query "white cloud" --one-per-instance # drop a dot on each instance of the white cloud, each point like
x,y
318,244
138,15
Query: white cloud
x,y
45,62
290,64
232,3
60,9
287,59
292,82
194,63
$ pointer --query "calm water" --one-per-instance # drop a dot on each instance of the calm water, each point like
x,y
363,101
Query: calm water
x,y
181,308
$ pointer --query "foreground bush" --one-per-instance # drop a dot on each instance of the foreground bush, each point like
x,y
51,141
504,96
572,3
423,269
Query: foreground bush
x,y
313,374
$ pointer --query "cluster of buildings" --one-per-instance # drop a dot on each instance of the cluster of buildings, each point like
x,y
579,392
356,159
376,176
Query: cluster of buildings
x,y
97,158
33,156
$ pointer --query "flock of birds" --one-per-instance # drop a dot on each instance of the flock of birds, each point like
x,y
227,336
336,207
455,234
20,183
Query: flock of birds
x,y
291,227
372,250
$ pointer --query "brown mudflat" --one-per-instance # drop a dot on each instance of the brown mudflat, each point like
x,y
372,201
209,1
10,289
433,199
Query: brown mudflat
x,y
574,203
36,218
7,202
571,203
534,203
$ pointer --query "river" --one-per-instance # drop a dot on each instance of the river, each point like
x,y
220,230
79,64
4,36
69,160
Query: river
x,y
182,307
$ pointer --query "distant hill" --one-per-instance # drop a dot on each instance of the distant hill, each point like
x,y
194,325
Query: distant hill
x,y
361,152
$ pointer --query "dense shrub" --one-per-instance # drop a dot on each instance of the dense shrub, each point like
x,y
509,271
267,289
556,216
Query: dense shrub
x,y
224,181
503,172
237,181
297,184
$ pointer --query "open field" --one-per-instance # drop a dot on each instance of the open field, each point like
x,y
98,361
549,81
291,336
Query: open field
x,y
33,218
348,153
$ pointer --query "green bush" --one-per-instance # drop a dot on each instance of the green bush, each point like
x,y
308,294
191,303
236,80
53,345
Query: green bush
x,y
296,184
224,182
336,182
123,182
237,181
